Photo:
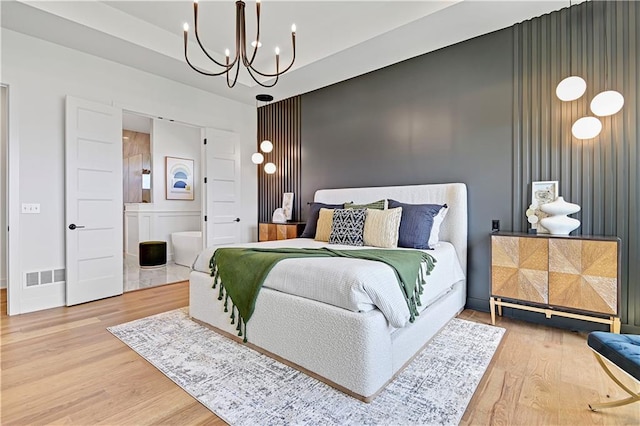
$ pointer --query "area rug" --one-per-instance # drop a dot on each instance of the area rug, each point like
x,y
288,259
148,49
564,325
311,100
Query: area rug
x,y
244,387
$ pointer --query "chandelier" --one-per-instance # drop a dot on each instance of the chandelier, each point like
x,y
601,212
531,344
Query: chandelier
x,y
240,56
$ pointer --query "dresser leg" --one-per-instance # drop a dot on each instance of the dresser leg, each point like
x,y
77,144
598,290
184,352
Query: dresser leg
x,y
615,325
499,307
492,306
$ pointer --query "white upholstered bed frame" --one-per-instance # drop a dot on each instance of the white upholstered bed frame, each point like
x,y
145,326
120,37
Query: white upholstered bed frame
x,y
356,352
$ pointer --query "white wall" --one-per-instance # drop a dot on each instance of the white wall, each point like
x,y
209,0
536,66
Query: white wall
x,y
174,140
41,74
3,186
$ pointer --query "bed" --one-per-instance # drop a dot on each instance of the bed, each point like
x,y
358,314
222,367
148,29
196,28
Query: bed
x,y
351,343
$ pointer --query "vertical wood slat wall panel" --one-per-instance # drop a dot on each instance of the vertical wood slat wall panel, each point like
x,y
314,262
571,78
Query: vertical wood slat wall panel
x,y
601,174
280,122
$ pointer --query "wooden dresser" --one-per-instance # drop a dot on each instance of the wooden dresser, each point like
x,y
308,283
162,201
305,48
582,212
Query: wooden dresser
x,y
569,276
270,231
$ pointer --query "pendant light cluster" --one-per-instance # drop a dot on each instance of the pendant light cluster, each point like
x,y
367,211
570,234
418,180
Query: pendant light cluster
x,y
266,146
604,104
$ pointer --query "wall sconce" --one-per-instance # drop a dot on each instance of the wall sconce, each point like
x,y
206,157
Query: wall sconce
x,y
586,128
146,179
603,104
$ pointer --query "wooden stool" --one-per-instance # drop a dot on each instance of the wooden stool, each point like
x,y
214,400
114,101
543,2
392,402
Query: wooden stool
x,y
153,254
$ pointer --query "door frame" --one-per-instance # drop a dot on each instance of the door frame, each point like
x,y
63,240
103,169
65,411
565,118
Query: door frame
x,y
14,283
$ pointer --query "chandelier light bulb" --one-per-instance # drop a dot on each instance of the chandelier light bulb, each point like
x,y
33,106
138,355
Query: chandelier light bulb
x,y
266,146
571,88
607,103
227,53
293,28
586,128
269,168
277,50
257,158
185,27
256,43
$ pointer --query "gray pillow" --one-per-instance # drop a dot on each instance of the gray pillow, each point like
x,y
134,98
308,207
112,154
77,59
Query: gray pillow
x,y
416,223
312,218
348,227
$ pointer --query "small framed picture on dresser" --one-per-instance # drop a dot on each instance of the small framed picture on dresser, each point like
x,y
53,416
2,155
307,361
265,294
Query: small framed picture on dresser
x,y
542,192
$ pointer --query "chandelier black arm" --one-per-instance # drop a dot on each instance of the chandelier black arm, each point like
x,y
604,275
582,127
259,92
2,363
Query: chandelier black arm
x,y
255,48
263,84
277,73
203,72
195,21
235,78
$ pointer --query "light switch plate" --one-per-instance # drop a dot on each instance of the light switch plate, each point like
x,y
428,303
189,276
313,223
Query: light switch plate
x,y
30,208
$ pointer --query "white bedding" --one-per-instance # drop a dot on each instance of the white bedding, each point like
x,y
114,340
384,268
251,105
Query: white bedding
x,y
354,284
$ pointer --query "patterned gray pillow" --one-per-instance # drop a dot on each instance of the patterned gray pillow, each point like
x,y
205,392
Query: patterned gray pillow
x,y
348,227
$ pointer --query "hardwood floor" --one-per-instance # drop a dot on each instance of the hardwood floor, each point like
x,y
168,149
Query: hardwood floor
x,y
62,366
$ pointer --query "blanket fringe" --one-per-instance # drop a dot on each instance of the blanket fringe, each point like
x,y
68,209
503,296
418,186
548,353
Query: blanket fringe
x,y
217,283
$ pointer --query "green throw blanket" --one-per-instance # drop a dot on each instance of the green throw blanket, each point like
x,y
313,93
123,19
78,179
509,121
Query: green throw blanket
x,y
240,273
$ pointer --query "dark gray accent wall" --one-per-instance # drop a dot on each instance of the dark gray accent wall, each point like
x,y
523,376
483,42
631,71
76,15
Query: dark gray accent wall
x,y
442,117
599,174
483,112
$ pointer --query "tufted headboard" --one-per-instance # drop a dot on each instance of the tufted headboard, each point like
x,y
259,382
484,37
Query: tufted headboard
x,y
454,227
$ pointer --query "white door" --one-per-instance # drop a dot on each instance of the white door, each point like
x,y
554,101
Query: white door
x,y
222,153
93,153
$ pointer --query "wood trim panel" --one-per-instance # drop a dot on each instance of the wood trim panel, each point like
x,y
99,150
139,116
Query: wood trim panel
x,y
280,122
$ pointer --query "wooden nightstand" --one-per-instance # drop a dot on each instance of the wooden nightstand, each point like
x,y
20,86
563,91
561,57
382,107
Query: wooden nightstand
x,y
279,231
569,276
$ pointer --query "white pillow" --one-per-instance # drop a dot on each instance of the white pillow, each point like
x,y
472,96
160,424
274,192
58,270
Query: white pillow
x,y
382,227
434,236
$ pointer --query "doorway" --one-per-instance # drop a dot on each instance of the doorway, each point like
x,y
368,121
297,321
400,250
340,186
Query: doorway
x,y
147,214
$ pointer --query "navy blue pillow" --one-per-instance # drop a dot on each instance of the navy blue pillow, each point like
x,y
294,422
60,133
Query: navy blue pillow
x,y
415,223
312,218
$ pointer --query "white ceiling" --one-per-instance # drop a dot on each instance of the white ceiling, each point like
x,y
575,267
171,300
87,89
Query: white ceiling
x,y
336,40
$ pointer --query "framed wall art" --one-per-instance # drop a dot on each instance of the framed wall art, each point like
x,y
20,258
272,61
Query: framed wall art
x,y
179,183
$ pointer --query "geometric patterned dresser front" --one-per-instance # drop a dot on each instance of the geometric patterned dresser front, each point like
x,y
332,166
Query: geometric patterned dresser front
x,y
519,268
583,274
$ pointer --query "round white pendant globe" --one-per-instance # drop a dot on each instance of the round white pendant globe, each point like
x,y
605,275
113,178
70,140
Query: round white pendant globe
x,y
607,103
270,168
257,158
586,128
266,146
571,88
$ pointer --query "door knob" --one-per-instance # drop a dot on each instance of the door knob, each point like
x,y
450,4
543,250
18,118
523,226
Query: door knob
x,y
74,226
237,219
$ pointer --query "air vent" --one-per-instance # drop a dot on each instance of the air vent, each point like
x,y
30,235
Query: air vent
x,y
32,279
48,276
